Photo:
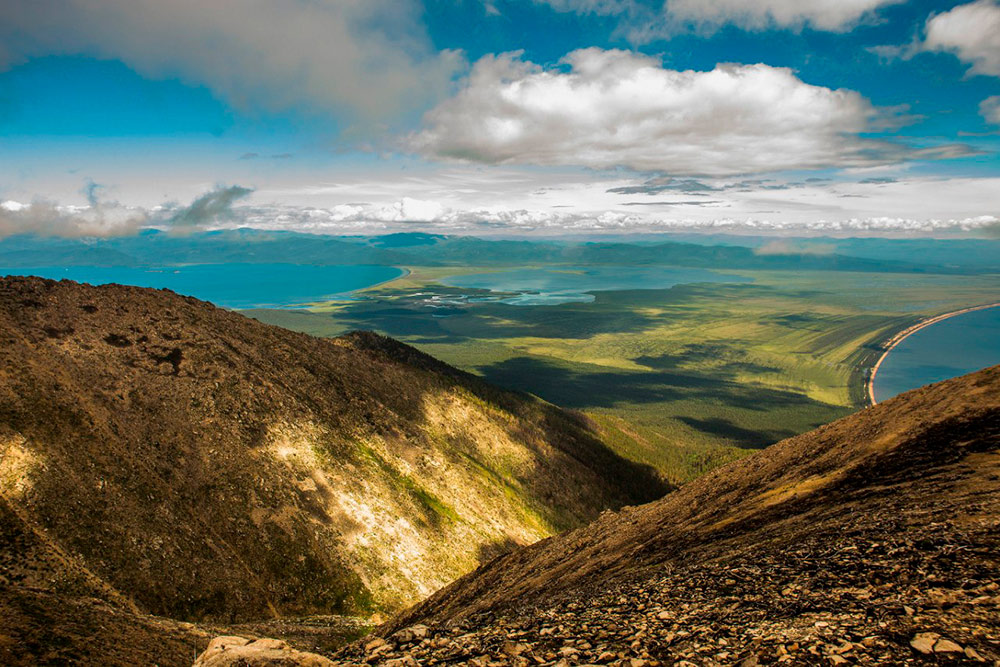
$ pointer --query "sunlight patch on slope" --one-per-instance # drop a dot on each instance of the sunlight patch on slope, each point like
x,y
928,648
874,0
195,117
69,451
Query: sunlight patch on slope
x,y
17,466
409,519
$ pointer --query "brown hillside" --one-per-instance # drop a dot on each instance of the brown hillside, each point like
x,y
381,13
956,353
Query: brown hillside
x,y
170,457
872,540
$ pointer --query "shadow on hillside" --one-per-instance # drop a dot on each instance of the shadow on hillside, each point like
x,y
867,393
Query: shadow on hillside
x,y
707,352
571,387
575,475
420,323
744,437
495,549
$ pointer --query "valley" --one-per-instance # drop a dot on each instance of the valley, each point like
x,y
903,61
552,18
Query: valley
x,y
159,455
172,473
872,540
685,351
682,378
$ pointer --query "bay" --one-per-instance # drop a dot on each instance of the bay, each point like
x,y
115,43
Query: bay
x,y
946,349
236,285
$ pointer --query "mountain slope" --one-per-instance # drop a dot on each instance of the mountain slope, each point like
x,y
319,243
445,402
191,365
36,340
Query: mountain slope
x,y
163,453
874,539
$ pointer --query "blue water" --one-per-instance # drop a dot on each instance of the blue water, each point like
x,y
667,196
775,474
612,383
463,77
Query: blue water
x,y
952,347
232,285
534,287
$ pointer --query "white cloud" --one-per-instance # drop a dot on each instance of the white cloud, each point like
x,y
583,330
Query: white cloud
x,y
616,108
989,109
869,201
839,207
643,24
367,59
45,218
500,220
101,218
831,15
971,32
408,209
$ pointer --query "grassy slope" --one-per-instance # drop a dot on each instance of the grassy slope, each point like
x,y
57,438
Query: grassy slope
x,y
210,467
683,378
851,540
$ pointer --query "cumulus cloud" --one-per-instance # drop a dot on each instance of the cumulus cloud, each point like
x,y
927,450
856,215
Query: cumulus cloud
x,y
971,32
100,218
989,109
364,58
210,207
409,210
616,108
46,218
406,209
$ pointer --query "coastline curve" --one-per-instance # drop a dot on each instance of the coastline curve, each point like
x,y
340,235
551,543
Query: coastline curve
x,y
899,337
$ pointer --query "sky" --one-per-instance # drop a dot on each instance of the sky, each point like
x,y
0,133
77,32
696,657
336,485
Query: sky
x,y
509,117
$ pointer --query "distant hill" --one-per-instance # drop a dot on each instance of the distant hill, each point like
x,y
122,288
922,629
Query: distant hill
x,y
158,248
162,456
872,540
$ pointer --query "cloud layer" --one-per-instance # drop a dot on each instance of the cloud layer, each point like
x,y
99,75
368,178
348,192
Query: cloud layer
x,y
101,218
832,15
615,108
368,59
45,218
643,24
971,32
457,202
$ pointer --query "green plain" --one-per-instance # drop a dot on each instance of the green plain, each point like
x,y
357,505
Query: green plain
x,y
684,378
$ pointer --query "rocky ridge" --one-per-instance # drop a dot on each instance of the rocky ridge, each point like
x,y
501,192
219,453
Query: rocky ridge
x,y
874,540
162,456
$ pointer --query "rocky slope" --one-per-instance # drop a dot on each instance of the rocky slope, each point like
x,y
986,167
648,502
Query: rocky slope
x,y
872,540
163,456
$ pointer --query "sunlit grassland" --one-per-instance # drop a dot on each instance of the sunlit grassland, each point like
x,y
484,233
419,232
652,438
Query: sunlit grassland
x,y
683,378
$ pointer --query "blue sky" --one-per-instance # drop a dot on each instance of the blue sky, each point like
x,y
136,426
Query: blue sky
x,y
505,116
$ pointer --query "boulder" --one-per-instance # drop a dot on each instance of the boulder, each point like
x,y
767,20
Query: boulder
x,y
242,652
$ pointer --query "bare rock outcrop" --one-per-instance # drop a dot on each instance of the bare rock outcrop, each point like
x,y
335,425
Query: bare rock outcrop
x,y
242,652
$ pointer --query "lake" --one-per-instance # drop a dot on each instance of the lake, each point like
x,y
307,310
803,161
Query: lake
x,y
232,285
944,350
535,287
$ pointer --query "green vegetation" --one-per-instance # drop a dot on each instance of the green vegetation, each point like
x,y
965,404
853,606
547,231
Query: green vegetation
x,y
683,379
435,510
258,472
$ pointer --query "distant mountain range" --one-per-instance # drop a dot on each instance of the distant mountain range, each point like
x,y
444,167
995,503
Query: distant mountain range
x,y
156,248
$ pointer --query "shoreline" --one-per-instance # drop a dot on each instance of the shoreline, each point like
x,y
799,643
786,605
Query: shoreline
x,y
405,274
312,305
900,336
